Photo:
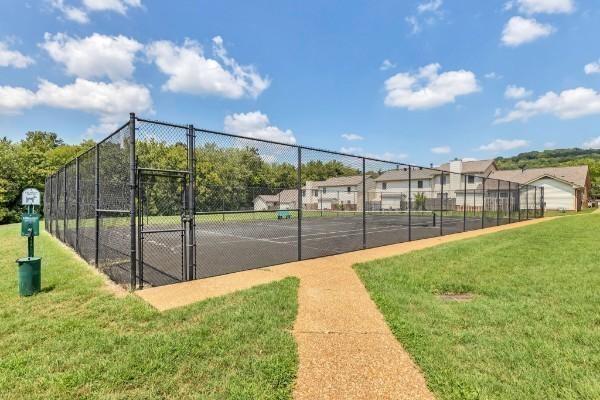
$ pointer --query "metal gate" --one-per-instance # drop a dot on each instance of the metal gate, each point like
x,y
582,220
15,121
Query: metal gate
x,y
165,226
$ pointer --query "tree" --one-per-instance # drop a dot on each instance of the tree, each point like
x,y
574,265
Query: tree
x,y
420,200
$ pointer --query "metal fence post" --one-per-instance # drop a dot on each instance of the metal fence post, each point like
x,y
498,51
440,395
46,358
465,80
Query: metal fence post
x,y
364,203
465,204
518,199
442,206
299,188
51,210
409,203
498,205
510,193
535,202
542,202
191,203
483,205
132,192
97,204
527,203
77,204
65,205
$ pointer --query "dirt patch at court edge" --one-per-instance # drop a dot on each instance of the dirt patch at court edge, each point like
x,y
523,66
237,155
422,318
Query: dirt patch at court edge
x,y
345,348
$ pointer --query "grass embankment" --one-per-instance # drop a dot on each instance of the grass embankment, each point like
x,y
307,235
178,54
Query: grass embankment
x,y
532,329
77,340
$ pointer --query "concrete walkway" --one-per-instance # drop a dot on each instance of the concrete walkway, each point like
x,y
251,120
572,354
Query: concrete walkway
x,y
346,350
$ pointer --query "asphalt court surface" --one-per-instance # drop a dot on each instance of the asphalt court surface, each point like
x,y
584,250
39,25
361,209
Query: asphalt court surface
x,y
224,247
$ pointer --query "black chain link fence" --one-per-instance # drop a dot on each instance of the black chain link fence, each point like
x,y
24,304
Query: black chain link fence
x,y
158,203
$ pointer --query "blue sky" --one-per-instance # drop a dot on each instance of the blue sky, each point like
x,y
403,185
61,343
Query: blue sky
x,y
417,81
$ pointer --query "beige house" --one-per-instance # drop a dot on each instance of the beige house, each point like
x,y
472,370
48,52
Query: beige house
x,y
565,188
344,192
392,187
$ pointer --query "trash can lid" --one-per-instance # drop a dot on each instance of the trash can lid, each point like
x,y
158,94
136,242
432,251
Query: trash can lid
x,y
28,259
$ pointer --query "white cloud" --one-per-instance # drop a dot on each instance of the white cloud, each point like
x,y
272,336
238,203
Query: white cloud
x,y
352,136
119,6
592,68
429,6
549,145
71,13
569,104
519,30
503,145
94,56
415,26
111,102
256,125
80,14
387,64
13,58
352,150
13,100
516,92
466,159
386,156
191,72
492,75
428,89
441,150
542,6
593,143
429,12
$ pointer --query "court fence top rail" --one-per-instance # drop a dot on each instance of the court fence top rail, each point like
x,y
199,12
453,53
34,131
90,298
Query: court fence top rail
x,y
156,203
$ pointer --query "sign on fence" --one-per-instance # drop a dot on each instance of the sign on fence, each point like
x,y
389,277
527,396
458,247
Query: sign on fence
x,y
30,197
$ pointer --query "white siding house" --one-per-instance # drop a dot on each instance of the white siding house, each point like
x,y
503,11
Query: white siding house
x,y
565,188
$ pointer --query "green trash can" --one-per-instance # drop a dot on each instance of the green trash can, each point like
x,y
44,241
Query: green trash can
x,y
30,276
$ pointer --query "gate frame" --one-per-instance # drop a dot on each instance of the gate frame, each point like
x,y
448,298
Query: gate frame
x,y
188,251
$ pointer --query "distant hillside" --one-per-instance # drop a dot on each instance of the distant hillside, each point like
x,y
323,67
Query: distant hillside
x,y
557,158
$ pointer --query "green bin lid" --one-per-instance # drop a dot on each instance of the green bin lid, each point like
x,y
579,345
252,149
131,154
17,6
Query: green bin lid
x,y
28,259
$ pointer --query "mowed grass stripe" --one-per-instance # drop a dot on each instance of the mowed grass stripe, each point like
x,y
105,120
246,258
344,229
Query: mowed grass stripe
x,y
77,340
532,329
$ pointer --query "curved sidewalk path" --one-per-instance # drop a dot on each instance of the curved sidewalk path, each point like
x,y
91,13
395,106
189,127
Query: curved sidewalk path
x,y
345,348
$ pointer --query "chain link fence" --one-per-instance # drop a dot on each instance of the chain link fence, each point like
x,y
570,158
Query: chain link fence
x,y
158,203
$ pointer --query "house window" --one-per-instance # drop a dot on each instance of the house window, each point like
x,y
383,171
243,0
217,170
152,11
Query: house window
x,y
324,190
304,193
384,185
348,189
444,179
420,184
471,179
315,192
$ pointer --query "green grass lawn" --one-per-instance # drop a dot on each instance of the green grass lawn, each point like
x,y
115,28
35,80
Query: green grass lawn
x,y
532,330
76,340
556,213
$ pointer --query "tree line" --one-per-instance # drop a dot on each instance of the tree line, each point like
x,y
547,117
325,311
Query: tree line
x,y
27,163
226,177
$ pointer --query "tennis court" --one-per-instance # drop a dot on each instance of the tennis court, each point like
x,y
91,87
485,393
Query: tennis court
x,y
157,203
225,244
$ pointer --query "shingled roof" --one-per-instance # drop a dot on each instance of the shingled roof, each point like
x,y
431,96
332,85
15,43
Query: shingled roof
x,y
402,174
341,181
574,175
471,167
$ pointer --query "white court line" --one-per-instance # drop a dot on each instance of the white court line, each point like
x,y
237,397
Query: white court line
x,y
360,233
247,238
328,235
